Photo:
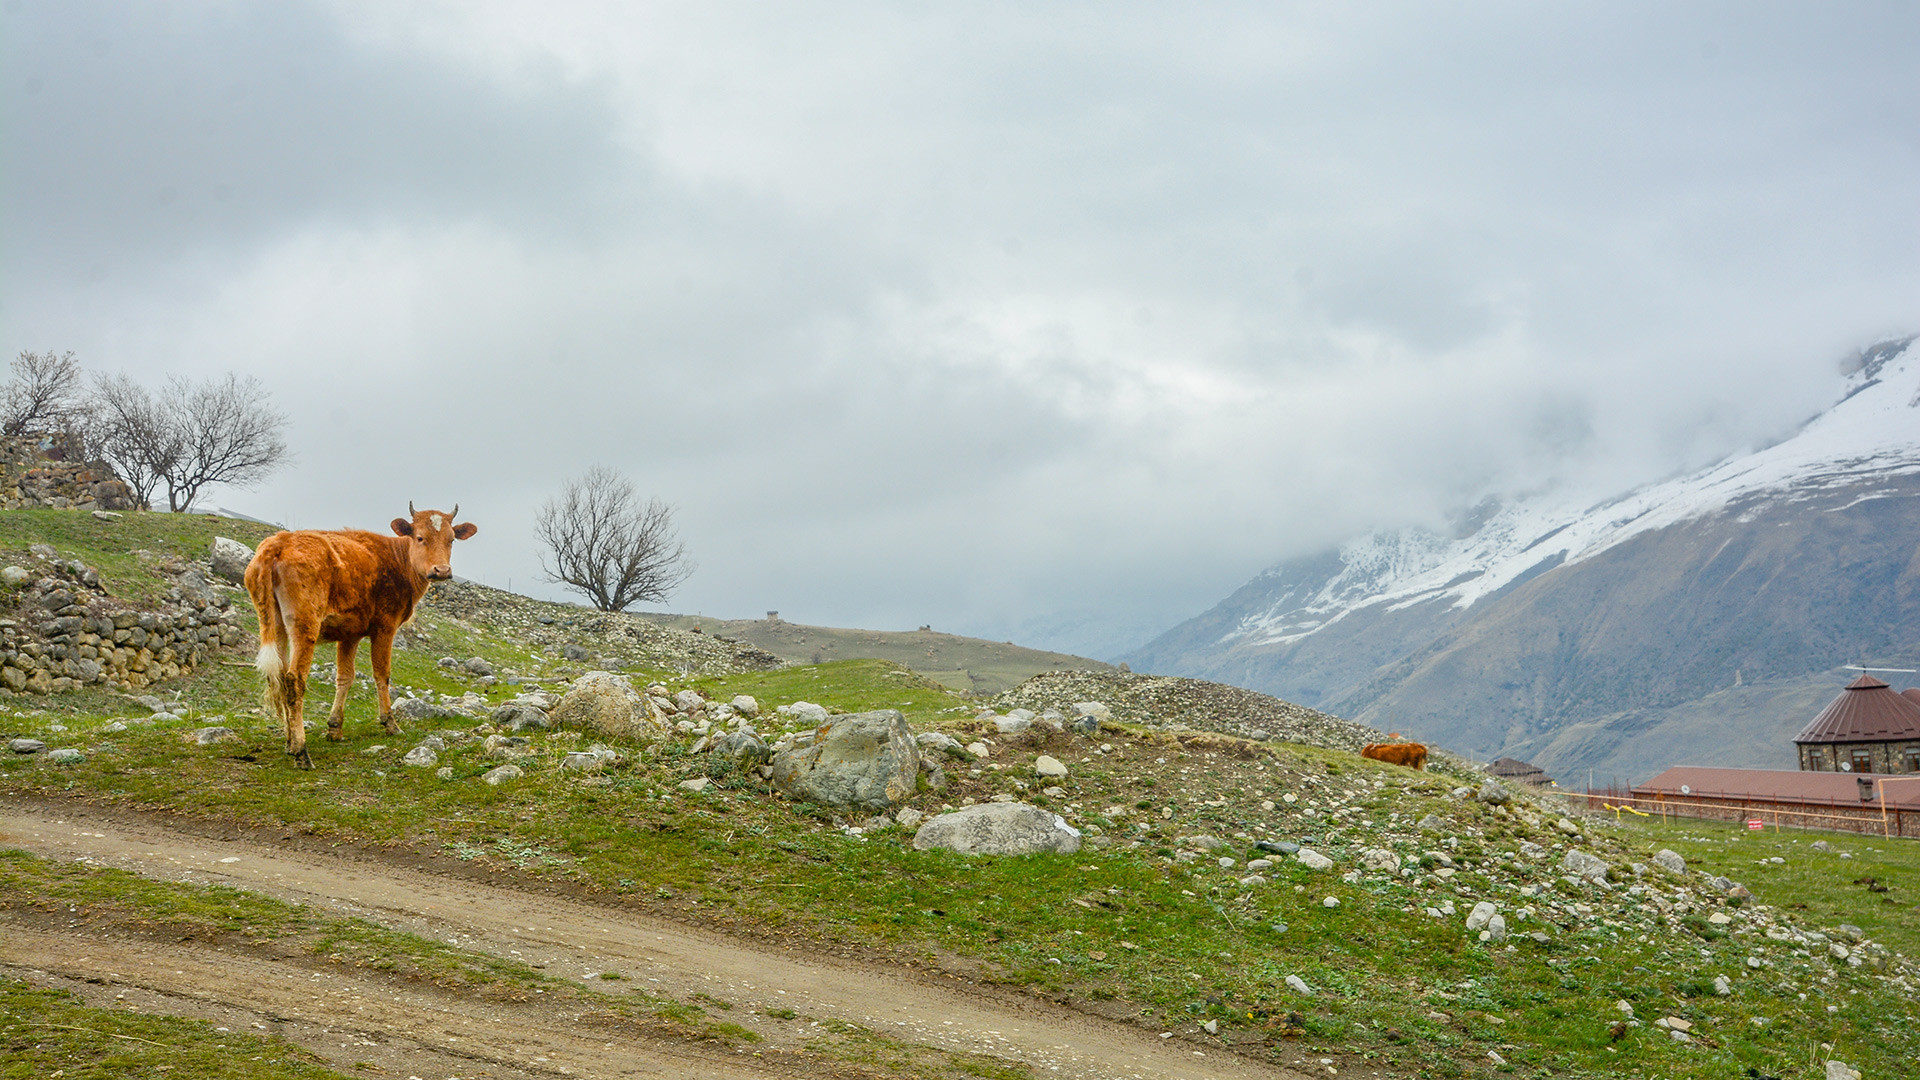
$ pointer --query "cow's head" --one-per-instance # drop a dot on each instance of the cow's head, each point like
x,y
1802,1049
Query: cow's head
x,y
433,535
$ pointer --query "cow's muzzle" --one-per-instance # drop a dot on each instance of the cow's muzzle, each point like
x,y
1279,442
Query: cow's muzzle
x,y
440,573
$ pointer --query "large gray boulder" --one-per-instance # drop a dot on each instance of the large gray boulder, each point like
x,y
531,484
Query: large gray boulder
x,y
743,748
229,558
1009,828
607,704
861,759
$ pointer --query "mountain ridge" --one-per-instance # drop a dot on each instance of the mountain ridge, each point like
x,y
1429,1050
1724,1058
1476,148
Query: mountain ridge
x,y
1536,621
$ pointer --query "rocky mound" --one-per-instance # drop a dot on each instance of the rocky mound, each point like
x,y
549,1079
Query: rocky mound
x,y
1174,704
582,634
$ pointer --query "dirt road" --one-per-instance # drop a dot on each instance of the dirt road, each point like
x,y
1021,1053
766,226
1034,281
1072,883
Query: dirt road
x,y
435,1033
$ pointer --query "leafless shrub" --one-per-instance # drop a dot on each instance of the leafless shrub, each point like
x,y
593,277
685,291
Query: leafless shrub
x,y
608,545
187,435
44,395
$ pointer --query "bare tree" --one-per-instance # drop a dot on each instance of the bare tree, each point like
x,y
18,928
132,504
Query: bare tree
x,y
43,396
608,545
127,426
186,436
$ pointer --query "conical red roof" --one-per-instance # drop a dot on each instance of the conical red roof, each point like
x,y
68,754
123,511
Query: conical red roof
x,y
1866,711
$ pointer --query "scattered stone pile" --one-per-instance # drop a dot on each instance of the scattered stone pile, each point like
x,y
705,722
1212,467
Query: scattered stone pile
x,y
578,634
61,630
1175,704
37,471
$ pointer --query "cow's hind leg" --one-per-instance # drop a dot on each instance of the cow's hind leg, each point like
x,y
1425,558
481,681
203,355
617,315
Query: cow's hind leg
x,y
295,695
342,686
381,651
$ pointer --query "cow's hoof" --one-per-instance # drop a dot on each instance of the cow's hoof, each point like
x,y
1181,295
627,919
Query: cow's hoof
x,y
392,725
300,758
335,734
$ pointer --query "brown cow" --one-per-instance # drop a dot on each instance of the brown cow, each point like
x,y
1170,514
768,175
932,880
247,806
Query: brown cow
x,y
312,586
1411,754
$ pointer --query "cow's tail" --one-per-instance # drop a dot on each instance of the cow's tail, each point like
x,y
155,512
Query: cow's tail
x,y
278,694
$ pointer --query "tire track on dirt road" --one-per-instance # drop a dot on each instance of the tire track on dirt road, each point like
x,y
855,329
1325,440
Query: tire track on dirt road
x,y
577,939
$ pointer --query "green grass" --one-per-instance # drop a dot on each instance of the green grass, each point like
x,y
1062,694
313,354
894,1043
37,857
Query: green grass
x,y
1121,930
115,547
1826,888
51,1033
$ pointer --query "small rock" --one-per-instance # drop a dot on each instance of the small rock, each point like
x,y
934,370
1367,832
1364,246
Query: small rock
x,y
909,818
1298,985
940,742
228,558
444,772
1719,918
1211,1027
518,716
571,651
698,783
1673,863
15,576
1313,860
1840,1070
1330,902
421,757
1531,850
1496,928
1379,859
478,665
1722,985
746,705
1822,845
501,774
978,750
26,746
1481,914
805,712
1567,826
1253,879
688,701
1277,847
66,755
1492,793
1260,864
1011,725
1049,766
998,828
1581,864
582,761
207,736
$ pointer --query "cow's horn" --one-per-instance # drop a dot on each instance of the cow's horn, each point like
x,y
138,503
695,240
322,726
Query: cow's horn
x,y
409,507
456,512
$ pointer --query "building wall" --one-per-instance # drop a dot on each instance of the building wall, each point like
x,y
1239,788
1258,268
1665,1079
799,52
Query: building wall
x,y
1884,757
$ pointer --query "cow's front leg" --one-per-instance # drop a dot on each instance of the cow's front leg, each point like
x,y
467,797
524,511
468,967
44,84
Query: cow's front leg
x,y
382,651
342,686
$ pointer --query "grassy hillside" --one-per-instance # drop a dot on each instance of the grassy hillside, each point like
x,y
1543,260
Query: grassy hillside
x,y
958,663
1163,919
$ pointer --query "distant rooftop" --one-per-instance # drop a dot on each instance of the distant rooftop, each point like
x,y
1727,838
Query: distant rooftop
x,y
1866,711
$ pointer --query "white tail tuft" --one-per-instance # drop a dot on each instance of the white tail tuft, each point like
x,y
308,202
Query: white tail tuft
x,y
269,661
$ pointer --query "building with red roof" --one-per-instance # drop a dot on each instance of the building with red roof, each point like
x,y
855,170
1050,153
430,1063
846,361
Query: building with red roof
x,y
1867,729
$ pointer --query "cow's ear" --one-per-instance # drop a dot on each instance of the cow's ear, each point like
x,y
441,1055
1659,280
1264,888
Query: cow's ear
x,y
402,527
465,530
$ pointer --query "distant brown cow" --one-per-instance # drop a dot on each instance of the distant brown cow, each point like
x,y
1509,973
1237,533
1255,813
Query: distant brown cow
x,y
312,586
1411,754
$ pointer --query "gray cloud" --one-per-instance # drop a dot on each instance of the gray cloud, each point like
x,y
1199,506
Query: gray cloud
x,y
1052,324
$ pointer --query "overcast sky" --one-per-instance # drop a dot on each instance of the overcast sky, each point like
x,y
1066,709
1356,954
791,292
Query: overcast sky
x,y
1046,322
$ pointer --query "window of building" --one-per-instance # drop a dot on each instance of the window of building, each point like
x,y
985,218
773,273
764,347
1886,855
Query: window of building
x,y
1862,759
1913,759
1816,759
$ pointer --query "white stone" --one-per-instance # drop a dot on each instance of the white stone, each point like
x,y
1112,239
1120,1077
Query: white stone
x,y
1313,860
1481,914
696,784
1049,766
421,757
500,775
1298,985
978,749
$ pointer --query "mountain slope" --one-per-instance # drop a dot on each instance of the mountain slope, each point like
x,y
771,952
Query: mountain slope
x,y
1591,636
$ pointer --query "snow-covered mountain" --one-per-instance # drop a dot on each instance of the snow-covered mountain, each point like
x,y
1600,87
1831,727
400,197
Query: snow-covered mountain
x,y
1416,630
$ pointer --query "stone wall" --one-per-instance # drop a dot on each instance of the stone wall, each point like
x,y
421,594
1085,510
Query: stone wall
x,y
1884,757
51,471
62,631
